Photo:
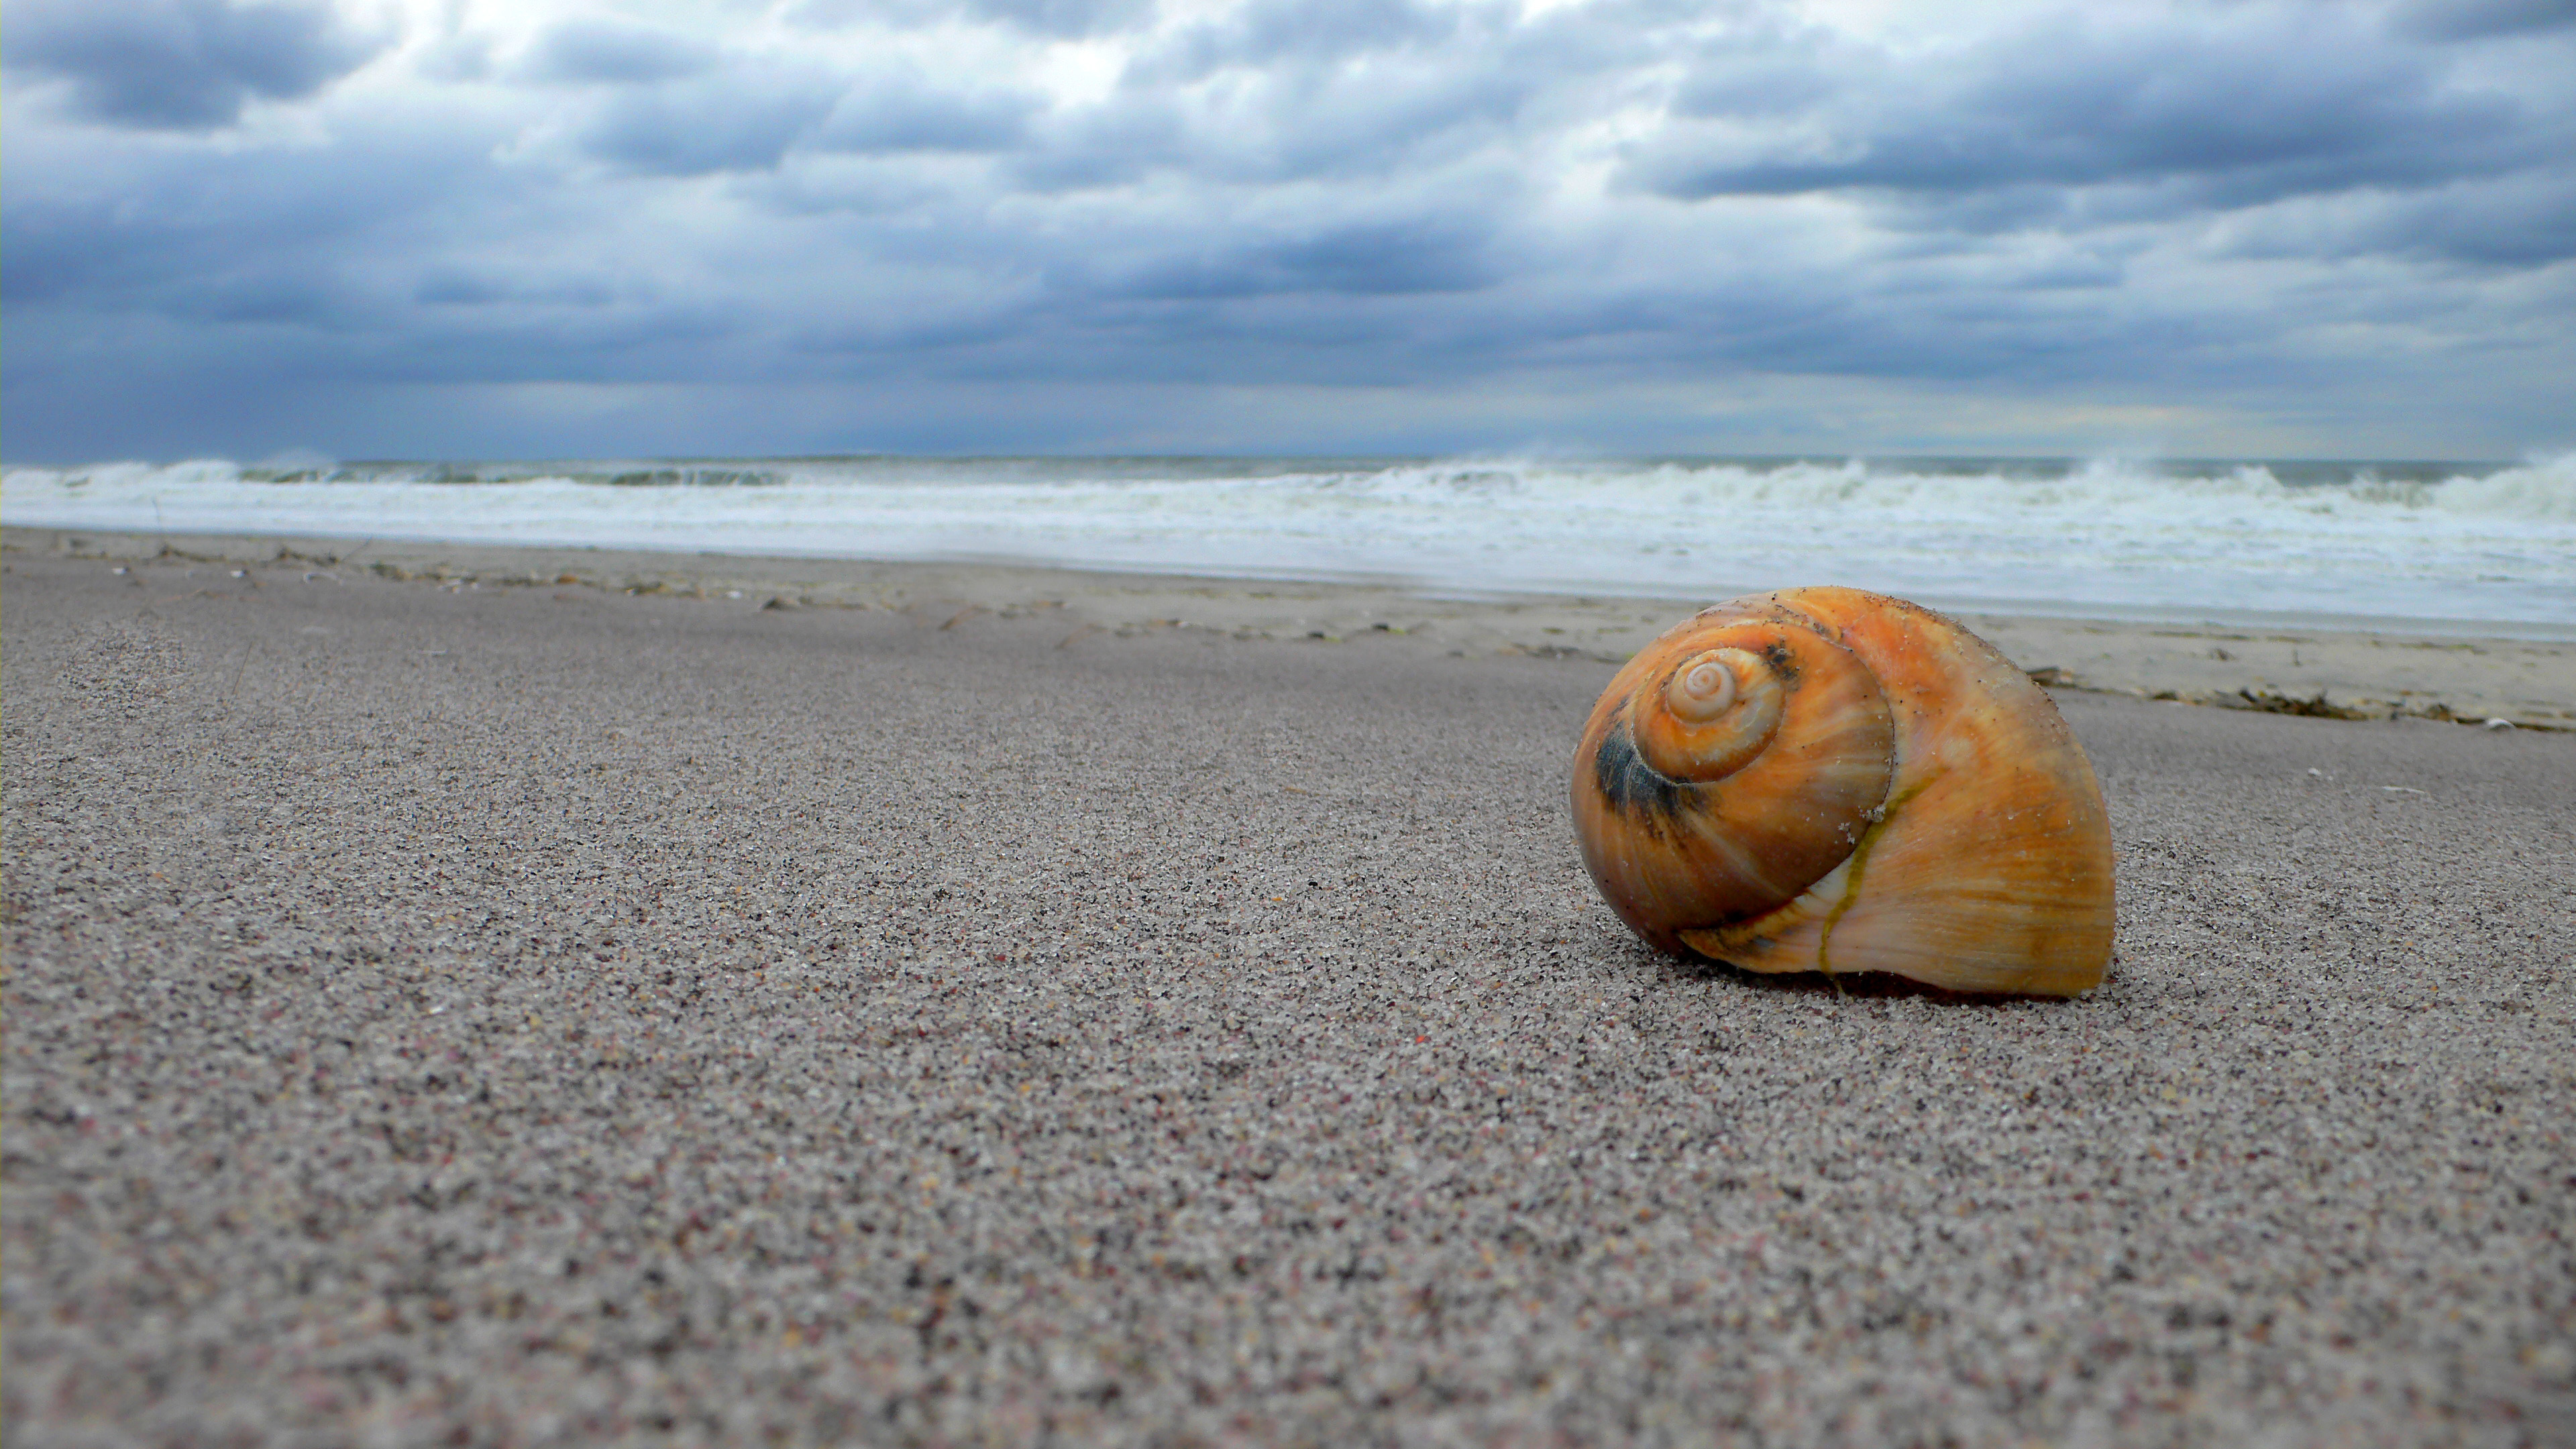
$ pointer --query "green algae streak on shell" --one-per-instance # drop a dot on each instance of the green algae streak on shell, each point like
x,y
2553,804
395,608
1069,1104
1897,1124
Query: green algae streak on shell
x,y
1831,780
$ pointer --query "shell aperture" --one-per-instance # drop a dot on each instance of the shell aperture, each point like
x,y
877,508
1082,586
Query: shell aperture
x,y
1825,779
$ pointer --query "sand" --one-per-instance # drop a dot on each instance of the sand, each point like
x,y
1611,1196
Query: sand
x,y
2528,679
460,1012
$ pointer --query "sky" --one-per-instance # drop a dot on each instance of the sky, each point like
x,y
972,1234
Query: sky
x,y
576,228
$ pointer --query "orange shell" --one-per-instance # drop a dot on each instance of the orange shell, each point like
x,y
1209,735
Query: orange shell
x,y
1918,807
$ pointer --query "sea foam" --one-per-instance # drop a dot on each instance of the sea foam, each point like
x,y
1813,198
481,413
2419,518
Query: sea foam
x,y
2461,546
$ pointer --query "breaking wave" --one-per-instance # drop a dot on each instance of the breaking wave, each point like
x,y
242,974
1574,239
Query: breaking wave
x,y
2472,544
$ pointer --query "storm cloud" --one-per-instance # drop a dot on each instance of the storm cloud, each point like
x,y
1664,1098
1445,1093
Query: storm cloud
x,y
1638,225
2289,104
183,64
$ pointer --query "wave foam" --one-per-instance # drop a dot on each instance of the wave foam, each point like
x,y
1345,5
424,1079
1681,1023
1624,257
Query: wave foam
x,y
2389,540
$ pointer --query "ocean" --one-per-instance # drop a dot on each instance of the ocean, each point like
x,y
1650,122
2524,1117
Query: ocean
x,y
2456,548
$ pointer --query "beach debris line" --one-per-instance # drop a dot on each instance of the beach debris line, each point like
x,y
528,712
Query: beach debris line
x,y
2319,705
1829,780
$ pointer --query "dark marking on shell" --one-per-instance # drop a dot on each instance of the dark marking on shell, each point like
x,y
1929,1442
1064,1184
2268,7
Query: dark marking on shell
x,y
1632,786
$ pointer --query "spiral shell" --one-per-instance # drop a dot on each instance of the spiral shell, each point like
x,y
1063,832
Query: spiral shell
x,y
1831,780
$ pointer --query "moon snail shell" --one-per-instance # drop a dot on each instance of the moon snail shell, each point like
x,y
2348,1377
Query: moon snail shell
x,y
1831,780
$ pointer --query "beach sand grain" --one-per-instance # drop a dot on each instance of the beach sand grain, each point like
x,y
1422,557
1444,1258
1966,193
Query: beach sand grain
x,y
550,1013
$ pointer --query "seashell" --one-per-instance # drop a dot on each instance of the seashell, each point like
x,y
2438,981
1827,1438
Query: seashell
x,y
1831,780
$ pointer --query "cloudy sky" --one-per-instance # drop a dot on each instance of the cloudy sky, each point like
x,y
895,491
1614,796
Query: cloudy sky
x,y
510,228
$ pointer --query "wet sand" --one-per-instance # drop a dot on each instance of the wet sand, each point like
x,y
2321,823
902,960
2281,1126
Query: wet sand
x,y
977,1005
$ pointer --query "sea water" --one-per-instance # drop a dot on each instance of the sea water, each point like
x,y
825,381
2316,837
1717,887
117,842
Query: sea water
x,y
2464,548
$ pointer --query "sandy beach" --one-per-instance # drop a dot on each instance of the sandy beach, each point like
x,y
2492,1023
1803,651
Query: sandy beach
x,y
516,997
2526,678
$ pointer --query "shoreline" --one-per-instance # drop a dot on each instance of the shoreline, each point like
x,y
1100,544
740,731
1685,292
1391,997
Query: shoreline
x,y
2342,674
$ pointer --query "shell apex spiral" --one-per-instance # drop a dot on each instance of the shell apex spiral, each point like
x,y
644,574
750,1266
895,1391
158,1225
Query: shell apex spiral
x,y
1824,779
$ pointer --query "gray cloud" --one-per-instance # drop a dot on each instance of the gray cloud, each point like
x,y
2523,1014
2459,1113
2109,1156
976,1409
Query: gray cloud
x,y
2522,223
1378,259
731,122
449,288
903,112
1114,143
691,112
452,286
269,295
82,252
1264,33
1060,18
2298,104
2479,19
183,64
616,52
1329,115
